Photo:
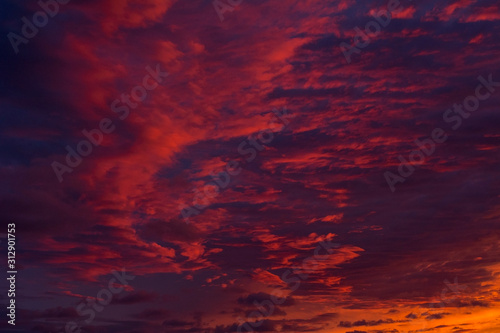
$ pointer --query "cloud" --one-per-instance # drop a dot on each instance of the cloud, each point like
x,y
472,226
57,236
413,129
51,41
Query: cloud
x,y
436,315
134,298
153,314
260,297
319,179
366,322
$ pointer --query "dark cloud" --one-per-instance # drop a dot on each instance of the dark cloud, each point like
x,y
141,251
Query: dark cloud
x,y
436,315
176,323
153,314
134,298
259,298
366,322
320,178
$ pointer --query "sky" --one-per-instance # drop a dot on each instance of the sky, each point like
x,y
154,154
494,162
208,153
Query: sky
x,y
251,166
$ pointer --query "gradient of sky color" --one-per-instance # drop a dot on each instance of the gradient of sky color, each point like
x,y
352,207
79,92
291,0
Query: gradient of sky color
x,y
401,255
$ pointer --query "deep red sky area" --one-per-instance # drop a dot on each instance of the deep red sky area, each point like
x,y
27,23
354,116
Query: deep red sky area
x,y
306,145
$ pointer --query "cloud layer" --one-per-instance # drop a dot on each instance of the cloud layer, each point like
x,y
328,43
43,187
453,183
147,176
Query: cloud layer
x,y
422,258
